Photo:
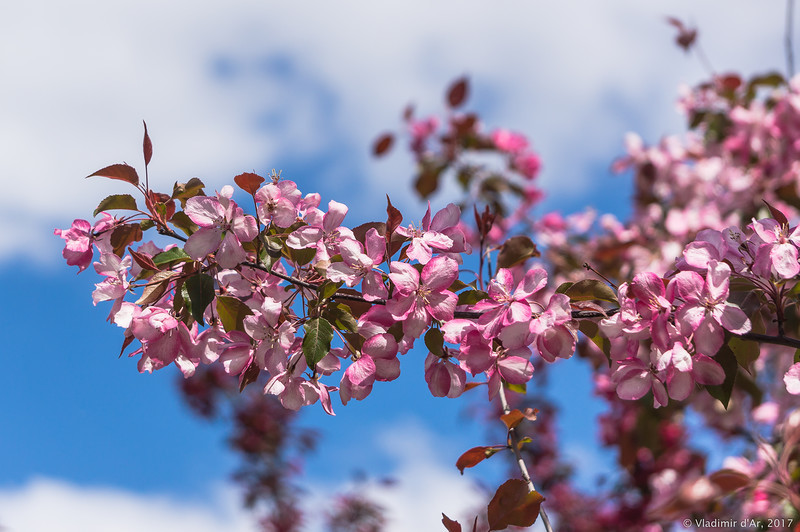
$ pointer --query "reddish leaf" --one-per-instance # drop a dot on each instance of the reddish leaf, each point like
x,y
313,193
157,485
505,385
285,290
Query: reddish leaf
x,y
360,232
513,418
147,146
125,343
729,82
729,480
777,214
123,236
121,172
515,250
513,505
408,112
450,525
382,144
249,182
471,385
686,36
156,287
457,93
143,260
249,375
393,220
475,456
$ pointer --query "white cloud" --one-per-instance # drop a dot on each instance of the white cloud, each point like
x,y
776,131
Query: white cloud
x,y
426,484
79,76
47,505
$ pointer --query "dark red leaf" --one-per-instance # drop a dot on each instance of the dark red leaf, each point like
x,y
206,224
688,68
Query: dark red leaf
x,y
360,232
475,456
515,250
457,93
147,146
450,525
382,144
777,214
513,418
125,343
249,375
143,260
249,182
123,236
686,36
513,505
393,220
729,480
121,172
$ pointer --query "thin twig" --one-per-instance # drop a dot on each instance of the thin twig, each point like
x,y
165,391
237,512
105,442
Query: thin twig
x,y
523,468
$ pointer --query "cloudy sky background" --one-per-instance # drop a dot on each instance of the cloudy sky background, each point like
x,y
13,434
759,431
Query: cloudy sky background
x,y
305,87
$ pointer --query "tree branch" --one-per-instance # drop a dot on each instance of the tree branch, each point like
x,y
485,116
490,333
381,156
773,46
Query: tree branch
x,y
523,468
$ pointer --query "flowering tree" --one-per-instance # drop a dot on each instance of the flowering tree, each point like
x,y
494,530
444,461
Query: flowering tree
x,y
690,304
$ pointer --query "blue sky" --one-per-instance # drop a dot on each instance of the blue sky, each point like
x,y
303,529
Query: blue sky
x,y
250,86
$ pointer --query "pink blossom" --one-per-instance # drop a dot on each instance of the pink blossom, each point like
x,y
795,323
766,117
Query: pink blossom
x,y
418,298
706,309
78,244
164,341
223,228
503,307
508,141
792,379
358,266
277,203
440,234
527,164
324,233
778,254
634,378
444,378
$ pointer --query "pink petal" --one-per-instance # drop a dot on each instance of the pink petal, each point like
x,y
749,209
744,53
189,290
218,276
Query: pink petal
x,y
439,273
404,277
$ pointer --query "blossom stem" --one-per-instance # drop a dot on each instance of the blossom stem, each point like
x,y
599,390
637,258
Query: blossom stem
x,y
513,440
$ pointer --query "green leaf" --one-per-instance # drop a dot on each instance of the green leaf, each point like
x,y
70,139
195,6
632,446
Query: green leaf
x,y
515,250
120,172
470,297
317,341
200,289
518,388
301,256
190,189
116,201
746,352
172,255
797,356
184,223
434,341
232,313
563,287
592,332
722,392
591,289
341,316
327,289
457,285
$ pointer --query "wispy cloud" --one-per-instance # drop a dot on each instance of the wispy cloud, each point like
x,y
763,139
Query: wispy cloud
x,y
47,505
246,85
